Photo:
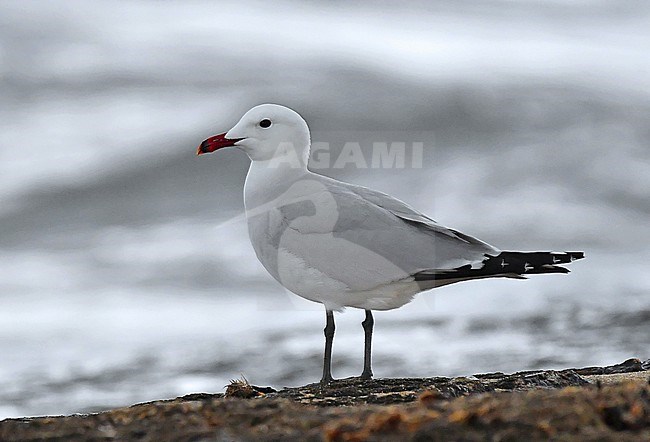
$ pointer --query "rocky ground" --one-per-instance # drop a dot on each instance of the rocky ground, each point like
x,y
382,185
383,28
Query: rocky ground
x,y
596,403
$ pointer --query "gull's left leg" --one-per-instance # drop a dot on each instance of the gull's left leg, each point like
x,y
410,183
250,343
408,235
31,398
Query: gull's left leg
x,y
367,328
327,358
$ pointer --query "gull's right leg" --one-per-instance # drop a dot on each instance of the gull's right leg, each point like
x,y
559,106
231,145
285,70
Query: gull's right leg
x,y
367,328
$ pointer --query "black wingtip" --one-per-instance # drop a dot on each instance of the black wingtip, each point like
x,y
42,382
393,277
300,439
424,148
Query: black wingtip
x,y
507,263
576,255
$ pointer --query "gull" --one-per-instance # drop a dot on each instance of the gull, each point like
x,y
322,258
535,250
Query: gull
x,y
344,245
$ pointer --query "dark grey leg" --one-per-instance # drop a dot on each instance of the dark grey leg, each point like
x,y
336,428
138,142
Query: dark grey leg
x,y
329,338
367,328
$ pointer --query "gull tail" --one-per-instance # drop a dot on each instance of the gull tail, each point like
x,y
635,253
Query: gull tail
x,y
505,264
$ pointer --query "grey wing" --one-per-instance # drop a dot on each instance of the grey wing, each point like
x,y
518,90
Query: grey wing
x,y
407,238
410,215
359,237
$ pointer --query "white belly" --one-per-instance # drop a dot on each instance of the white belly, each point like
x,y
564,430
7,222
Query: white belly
x,y
373,289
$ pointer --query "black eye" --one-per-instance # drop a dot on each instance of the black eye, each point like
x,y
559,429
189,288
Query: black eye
x,y
265,123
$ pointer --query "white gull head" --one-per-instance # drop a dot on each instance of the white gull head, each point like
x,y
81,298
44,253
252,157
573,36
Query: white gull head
x,y
266,132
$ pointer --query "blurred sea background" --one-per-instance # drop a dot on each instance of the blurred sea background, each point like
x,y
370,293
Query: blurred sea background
x,y
126,273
